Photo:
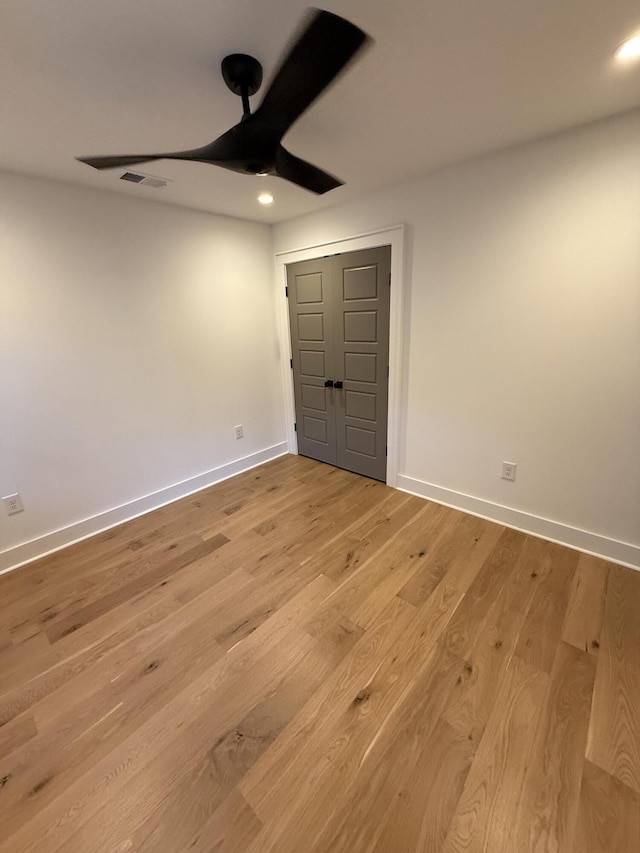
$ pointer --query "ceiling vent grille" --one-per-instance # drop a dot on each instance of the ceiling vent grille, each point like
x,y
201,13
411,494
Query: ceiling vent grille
x,y
145,180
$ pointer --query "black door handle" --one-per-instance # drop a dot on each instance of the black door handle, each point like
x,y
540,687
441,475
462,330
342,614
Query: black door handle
x,y
328,383
337,384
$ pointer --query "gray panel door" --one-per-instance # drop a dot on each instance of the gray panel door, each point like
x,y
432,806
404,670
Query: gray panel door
x,y
351,292
311,322
361,352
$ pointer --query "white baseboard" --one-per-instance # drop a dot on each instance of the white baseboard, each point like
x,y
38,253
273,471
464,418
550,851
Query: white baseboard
x,y
581,540
17,556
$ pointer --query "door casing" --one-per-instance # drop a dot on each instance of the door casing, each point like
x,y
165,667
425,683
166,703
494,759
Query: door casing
x,y
393,236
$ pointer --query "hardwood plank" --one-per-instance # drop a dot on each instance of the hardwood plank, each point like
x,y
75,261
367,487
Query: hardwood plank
x,y
302,817
188,630
37,613
457,553
230,829
614,733
485,811
583,620
608,815
332,521
244,667
543,628
485,630
241,614
282,770
262,511
79,651
424,806
23,661
5,639
367,765
366,590
249,512
504,566
63,627
321,520
216,769
404,556
374,785
345,553
378,701
16,734
547,813
152,756
354,730
98,716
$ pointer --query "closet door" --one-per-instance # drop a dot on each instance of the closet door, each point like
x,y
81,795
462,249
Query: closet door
x,y
361,352
311,321
339,319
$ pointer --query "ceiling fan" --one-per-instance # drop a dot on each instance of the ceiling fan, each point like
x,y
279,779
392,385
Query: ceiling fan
x,y
325,45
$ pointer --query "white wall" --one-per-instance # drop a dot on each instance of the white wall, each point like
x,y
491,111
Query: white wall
x,y
523,291
133,337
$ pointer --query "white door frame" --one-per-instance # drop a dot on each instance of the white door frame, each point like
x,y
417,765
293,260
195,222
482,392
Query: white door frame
x,y
393,236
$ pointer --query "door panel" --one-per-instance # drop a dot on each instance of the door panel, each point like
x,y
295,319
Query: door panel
x,y
311,327
314,397
360,405
360,440
360,367
315,429
309,288
339,317
312,363
360,283
360,326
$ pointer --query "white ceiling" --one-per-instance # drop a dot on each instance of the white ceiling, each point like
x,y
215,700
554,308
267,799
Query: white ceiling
x,y
443,81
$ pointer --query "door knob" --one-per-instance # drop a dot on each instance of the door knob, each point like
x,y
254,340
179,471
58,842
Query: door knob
x,y
328,383
337,384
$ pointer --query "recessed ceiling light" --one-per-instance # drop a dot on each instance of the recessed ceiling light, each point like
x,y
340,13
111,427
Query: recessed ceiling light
x,y
630,49
265,198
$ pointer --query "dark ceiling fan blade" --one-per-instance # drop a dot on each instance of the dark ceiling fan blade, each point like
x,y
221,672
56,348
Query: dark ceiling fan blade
x,y
326,45
225,147
112,162
206,154
304,174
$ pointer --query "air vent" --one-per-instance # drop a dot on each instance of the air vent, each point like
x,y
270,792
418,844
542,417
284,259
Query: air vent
x,y
145,180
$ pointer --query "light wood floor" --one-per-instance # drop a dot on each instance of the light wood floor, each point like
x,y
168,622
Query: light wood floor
x,y
301,660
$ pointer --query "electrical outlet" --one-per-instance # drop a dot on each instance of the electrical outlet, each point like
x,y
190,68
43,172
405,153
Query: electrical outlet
x,y
239,431
508,470
13,504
